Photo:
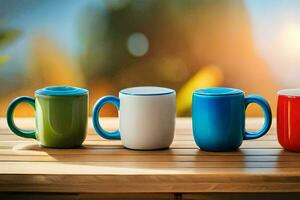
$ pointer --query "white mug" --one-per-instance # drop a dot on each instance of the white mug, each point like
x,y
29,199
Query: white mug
x,y
147,117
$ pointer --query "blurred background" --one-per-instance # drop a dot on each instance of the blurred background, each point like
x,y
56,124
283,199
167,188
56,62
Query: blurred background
x,y
107,45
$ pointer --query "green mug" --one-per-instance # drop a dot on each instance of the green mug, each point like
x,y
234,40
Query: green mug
x,y
61,116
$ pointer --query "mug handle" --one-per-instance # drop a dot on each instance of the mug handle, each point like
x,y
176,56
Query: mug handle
x,y
115,135
10,120
267,115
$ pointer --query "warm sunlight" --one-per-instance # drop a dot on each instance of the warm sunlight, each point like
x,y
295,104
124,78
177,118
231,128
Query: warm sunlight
x,y
291,39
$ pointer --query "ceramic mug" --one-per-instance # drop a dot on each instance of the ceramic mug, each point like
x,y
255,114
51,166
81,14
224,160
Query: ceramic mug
x,y
147,117
288,119
61,114
218,116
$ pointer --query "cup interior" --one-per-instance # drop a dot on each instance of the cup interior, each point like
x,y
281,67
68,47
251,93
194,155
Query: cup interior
x,y
60,88
289,92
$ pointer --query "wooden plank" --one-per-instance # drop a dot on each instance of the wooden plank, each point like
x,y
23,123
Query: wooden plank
x,y
182,131
178,137
126,196
239,196
145,158
153,183
94,168
148,196
35,149
38,196
118,144
179,133
72,165
84,196
133,168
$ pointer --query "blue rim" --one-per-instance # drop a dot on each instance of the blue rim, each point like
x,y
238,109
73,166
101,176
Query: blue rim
x,y
218,91
147,91
61,91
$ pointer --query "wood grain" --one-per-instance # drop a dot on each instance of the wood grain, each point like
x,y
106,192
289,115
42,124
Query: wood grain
x,y
103,166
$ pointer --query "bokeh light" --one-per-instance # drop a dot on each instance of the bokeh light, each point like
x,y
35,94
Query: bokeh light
x,y
138,44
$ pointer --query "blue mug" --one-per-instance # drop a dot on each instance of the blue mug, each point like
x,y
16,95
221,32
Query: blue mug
x,y
218,116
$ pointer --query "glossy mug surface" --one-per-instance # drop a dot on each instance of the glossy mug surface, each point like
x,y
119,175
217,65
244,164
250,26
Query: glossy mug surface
x,y
147,117
288,119
61,115
218,116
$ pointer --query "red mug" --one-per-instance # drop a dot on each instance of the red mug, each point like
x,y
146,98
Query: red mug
x,y
288,119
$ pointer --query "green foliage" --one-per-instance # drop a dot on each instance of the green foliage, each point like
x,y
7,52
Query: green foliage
x,y
4,59
7,37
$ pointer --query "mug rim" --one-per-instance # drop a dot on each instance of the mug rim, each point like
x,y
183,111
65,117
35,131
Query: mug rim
x,y
218,92
61,90
291,92
147,91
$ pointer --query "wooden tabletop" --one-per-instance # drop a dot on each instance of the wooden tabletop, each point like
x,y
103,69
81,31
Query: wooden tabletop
x,y
104,166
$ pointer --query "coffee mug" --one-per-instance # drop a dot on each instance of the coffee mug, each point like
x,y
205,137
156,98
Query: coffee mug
x,y
288,119
61,114
147,117
218,116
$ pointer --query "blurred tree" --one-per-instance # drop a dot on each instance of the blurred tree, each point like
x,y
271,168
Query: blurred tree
x,y
141,43
106,37
180,38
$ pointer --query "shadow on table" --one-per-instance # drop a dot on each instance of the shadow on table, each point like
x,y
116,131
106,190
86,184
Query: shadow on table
x,y
117,156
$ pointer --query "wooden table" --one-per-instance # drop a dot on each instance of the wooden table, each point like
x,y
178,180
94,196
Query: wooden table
x,y
103,169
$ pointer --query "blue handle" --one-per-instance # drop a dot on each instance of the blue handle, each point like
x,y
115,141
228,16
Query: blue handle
x,y
267,115
115,135
10,120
